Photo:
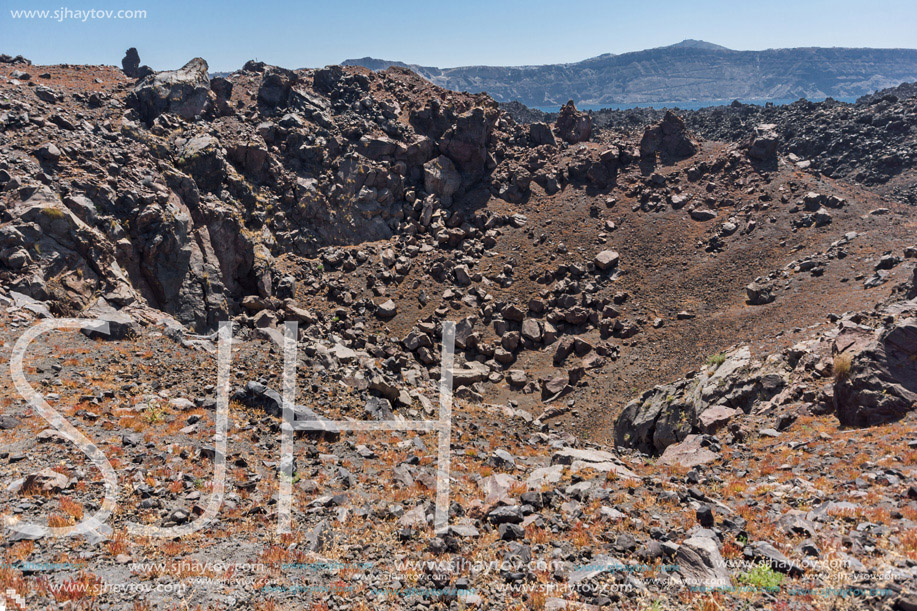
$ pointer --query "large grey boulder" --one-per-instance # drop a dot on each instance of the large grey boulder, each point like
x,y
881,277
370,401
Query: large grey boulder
x,y
441,178
668,414
471,373
700,563
110,324
184,92
880,383
759,293
688,453
540,133
606,259
702,214
763,145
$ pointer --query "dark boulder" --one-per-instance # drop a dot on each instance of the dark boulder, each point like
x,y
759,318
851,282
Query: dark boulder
x,y
669,138
259,396
110,323
878,383
131,67
131,62
763,145
275,87
328,79
222,89
540,133
759,293
573,126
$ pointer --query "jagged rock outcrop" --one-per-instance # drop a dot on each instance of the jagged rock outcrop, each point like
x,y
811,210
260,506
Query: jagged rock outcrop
x,y
58,256
572,125
668,139
763,144
276,84
202,158
465,143
177,264
877,382
870,142
667,414
185,92
130,64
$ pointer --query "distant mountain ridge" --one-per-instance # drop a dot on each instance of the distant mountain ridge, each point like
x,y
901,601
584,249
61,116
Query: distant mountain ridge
x,y
692,70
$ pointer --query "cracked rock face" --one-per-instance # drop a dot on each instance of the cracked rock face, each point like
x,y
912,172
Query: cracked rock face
x,y
668,414
572,125
881,384
185,92
668,139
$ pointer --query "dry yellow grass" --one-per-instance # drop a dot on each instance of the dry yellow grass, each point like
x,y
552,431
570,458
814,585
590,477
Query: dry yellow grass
x,y
842,364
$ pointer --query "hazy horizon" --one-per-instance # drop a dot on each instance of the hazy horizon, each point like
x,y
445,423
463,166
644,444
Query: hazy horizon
x,y
476,33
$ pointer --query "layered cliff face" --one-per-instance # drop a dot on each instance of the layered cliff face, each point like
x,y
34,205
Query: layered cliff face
x,y
688,71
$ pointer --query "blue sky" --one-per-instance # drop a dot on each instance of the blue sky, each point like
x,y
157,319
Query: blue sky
x,y
438,33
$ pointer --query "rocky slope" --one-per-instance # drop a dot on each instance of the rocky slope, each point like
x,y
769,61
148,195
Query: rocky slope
x,y
674,388
687,71
870,142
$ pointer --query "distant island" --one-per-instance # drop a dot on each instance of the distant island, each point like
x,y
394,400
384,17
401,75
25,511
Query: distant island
x,y
690,71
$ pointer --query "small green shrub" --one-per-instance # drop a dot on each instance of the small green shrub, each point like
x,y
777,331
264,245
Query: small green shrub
x,y
762,577
715,360
154,414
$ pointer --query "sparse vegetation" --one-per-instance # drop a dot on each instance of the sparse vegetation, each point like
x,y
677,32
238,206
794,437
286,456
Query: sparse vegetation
x,y
53,213
762,577
842,363
153,414
715,360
